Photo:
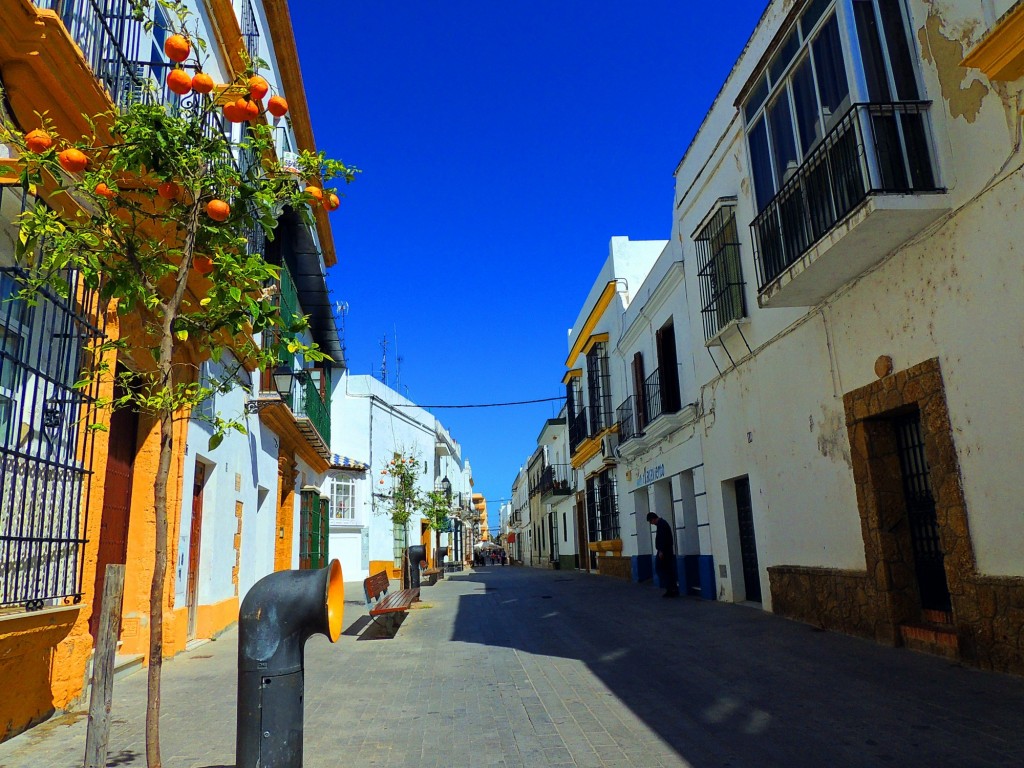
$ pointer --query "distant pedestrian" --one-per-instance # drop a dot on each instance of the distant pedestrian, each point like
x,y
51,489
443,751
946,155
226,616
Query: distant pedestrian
x,y
665,560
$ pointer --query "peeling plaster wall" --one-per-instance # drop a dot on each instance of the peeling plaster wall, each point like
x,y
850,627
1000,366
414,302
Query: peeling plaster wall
x,y
954,291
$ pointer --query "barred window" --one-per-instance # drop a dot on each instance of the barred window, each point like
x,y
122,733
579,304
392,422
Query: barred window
x,y
343,499
599,389
602,507
719,270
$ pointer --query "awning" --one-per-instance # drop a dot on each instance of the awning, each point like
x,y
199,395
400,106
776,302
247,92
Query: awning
x,y
344,462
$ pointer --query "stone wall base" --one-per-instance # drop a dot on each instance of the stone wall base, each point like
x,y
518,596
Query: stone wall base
x,y
989,627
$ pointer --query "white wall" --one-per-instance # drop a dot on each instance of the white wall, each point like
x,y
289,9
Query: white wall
x,y
952,292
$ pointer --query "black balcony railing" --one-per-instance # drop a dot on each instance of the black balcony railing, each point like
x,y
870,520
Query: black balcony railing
x,y
111,41
250,30
627,422
555,479
116,48
578,429
873,149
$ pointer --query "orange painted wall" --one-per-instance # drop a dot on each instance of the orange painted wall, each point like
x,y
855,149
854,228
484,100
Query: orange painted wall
x,y
34,683
388,566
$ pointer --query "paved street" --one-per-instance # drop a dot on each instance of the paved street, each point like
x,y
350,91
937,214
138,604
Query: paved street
x,y
518,667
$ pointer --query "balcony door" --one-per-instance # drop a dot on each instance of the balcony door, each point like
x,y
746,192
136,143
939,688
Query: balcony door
x,y
668,368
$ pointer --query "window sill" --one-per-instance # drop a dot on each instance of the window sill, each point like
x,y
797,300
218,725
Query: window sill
x,y
728,329
43,613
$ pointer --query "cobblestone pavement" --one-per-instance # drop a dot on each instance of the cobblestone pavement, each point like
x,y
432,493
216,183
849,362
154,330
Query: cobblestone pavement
x,y
516,667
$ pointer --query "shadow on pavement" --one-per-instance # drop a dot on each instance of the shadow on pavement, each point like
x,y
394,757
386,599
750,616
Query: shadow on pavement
x,y
730,685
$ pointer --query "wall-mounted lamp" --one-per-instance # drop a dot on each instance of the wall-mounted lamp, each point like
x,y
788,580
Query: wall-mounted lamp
x,y
284,381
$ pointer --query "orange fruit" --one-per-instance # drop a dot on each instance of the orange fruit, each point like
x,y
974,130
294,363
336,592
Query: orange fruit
x,y
73,160
168,190
202,264
179,82
331,202
218,210
258,87
38,141
277,106
177,48
104,191
316,192
202,83
249,110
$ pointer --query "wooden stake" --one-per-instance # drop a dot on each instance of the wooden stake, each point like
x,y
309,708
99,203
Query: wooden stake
x,y
102,682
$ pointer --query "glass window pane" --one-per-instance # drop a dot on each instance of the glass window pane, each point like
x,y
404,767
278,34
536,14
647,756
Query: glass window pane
x,y
871,52
899,49
833,87
761,165
811,15
780,122
756,98
785,55
805,101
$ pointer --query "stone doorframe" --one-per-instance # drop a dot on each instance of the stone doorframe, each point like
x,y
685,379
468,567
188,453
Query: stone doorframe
x,y
880,502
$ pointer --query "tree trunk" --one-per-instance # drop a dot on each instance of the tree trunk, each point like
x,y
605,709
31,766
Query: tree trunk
x,y
165,367
156,590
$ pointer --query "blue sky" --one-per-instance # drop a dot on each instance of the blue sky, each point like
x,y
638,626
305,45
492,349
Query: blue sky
x,y
502,146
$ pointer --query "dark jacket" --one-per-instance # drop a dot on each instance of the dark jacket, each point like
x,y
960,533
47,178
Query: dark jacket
x,y
663,540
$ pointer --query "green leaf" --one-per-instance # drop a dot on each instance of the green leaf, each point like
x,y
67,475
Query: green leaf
x,y
216,439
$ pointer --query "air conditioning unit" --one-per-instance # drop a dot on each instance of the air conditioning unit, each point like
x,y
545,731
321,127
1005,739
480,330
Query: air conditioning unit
x,y
609,449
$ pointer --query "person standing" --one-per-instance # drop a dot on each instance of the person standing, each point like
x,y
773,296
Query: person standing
x,y
665,561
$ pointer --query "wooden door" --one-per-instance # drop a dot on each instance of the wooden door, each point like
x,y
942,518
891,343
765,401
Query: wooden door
x,y
194,541
117,499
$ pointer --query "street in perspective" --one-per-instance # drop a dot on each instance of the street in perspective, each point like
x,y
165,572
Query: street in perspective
x,y
590,384
520,667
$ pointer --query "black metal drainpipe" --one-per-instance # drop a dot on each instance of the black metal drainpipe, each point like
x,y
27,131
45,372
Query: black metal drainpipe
x,y
278,615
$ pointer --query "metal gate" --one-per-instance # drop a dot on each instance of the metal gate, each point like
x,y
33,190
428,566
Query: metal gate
x,y
929,560
748,541
45,444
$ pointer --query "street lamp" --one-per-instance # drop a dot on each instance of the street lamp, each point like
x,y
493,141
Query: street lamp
x,y
446,486
284,381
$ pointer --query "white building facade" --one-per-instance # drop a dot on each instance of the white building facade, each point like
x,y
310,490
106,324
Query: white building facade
x,y
844,217
380,426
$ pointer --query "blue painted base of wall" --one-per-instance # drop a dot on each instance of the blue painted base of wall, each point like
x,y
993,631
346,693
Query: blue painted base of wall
x,y
642,567
706,567
696,573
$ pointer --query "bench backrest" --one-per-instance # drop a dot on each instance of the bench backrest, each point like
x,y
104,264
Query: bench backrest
x,y
376,585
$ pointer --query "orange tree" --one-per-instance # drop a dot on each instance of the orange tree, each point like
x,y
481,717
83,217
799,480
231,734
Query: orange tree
x,y
436,508
156,211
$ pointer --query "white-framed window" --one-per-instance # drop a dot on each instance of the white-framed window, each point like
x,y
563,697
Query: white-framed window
x,y
827,61
12,347
343,499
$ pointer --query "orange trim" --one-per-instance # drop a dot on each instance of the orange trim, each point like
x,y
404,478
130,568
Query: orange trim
x,y
1000,54
283,37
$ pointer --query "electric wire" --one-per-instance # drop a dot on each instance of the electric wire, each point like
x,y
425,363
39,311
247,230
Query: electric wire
x,y
481,405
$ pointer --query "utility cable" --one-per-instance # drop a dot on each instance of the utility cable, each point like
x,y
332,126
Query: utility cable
x,y
481,405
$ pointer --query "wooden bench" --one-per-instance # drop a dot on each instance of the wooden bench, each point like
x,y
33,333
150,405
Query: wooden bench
x,y
432,575
376,588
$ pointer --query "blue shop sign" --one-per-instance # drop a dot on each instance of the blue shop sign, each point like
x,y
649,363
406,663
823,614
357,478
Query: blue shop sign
x,y
650,475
